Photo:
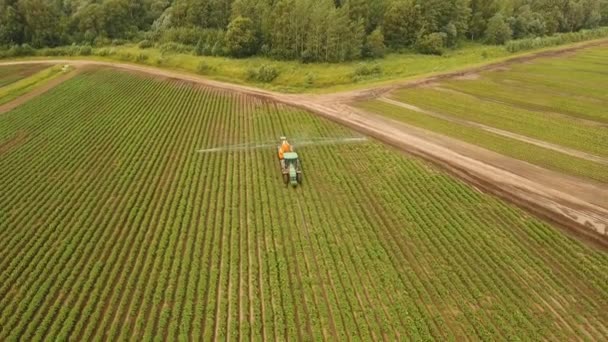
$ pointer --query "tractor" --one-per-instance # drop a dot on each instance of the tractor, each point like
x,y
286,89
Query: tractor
x,y
289,161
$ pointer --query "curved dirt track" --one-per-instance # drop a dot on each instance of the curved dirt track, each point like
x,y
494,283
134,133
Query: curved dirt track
x,y
579,205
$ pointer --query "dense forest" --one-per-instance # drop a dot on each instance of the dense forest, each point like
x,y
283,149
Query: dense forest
x,y
308,30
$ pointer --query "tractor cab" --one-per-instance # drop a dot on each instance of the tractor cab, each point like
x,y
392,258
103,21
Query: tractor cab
x,y
291,168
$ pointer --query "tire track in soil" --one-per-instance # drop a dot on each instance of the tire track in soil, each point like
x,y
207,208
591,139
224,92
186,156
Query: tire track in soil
x,y
246,107
515,136
332,325
538,107
210,161
359,300
222,158
284,242
253,105
194,220
307,262
193,110
210,231
367,215
222,226
384,309
403,250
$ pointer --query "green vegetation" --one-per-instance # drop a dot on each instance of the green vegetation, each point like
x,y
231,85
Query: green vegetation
x,y
23,86
564,130
513,148
560,101
306,30
558,39
295,76
114,227
544,100
13,73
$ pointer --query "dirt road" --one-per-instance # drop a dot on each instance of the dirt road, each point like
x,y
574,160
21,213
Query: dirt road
x,y
578,205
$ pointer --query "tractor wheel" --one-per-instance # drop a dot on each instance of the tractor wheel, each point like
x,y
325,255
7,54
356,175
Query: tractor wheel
x,y
300,178
286,179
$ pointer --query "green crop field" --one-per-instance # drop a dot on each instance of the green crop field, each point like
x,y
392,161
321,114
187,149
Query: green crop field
x,y
29,83
13,73
559,101
114,225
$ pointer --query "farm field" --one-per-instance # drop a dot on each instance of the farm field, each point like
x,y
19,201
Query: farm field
x,y
550,112
114,226
39,80
10,74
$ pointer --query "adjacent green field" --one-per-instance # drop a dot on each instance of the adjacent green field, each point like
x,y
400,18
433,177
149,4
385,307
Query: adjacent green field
x,y
113,226
27,84
558,129
13,73
510,147
561,101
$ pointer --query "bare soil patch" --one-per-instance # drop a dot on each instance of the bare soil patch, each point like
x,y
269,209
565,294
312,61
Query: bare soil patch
x,y
19,139
468,77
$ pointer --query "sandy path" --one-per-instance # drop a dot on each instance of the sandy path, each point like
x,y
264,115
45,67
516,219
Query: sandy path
x,y
579,205
515,136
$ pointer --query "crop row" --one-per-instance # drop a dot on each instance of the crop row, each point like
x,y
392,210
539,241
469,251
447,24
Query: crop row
x,y
13,73
115,227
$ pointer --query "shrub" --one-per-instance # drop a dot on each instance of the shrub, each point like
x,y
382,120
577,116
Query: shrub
x,y
175,48
103,52
118,42
161,60
431,44
27,50
498,31
310,79
18,51
558,39
85,50
126,56
141,57
240,38
145,44
102,41
374,44
365,71
265,73
204,68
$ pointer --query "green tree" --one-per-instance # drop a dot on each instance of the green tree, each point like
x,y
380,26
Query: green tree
x,y
240,39
481,12
42,22
374,44
401,23
11,26
498,31
431,44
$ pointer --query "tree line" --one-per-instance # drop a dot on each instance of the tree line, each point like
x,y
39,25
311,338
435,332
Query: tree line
x,y
308,30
